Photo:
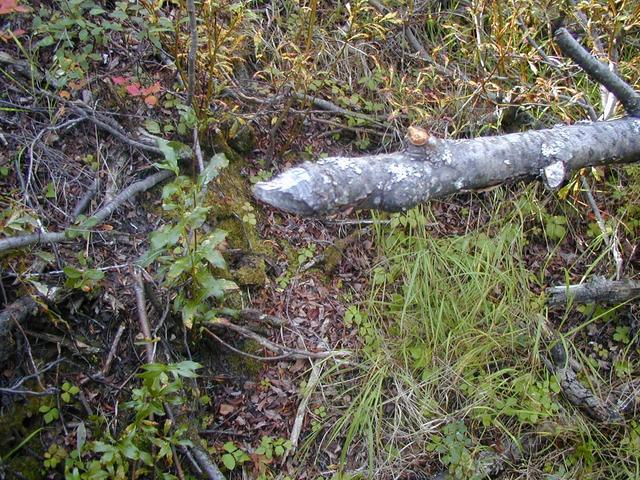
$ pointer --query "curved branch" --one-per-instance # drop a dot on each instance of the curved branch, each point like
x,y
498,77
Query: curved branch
x,y
401,180
599,72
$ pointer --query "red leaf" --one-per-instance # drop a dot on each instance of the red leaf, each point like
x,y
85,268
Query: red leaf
x,y
155,88
134,89
119,80
11,6
7,35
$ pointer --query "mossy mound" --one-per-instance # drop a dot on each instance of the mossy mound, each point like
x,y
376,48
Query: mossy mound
x,y
232,211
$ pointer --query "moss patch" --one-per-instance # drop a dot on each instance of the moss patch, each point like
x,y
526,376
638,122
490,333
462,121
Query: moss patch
x,y
230,200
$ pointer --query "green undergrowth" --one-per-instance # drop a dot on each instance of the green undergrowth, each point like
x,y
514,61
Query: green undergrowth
x,y
452,360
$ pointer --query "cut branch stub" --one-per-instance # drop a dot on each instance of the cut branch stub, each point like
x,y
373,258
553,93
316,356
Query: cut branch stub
x,y
401,180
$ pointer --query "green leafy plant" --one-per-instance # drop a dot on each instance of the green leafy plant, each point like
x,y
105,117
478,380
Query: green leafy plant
x,y
320,414
306,253
75,29
234,456
49,412
555,227
54,456
68,392
146,440
248,214
454,448
186,252
622,334
85,280
270,448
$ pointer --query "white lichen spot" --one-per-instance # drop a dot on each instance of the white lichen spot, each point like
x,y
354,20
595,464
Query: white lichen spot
x,y
288,180
447,157
399,171
636,126
459,184
507,162
554,175
549,150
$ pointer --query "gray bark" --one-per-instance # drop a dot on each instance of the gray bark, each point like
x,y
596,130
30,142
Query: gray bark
x,y
597,290
398,181
599,71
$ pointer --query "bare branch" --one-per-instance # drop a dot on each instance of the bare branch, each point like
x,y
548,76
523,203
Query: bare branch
x,y
141,305
99,217
598,71
400,180
286,352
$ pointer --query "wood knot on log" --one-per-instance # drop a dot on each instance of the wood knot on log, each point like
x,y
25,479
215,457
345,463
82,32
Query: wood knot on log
x,y
420,137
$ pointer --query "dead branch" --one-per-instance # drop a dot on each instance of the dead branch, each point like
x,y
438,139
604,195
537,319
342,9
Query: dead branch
x,y
313,380
110,126
85,201
597,290
208,467
97,218
256,316
245,354
612,242
15,313
629,99
578,394
112,351
286,352
438,167
141,305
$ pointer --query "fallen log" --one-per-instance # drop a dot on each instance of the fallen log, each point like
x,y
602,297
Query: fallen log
x,y
597,290
431,167
436,168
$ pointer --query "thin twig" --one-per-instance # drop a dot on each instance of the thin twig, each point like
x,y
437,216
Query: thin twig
x,y
101,215
314,378
109,126
274,347
611,242
112,350
244,354
34,375
555,63
85,201
193,50
49,391
209,468
141,305
421,52
598,71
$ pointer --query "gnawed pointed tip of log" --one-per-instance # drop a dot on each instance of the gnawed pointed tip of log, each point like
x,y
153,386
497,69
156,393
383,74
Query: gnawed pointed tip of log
x,y
291,191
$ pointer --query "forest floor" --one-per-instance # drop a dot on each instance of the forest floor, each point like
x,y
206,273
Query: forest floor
x,y
336,367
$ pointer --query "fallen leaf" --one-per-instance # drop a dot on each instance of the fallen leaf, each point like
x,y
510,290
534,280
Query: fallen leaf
x,y
226,409
134,89
119,80
11,6
155,88
151,100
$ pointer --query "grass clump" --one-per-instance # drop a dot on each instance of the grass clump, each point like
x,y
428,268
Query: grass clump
x,y
451,361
